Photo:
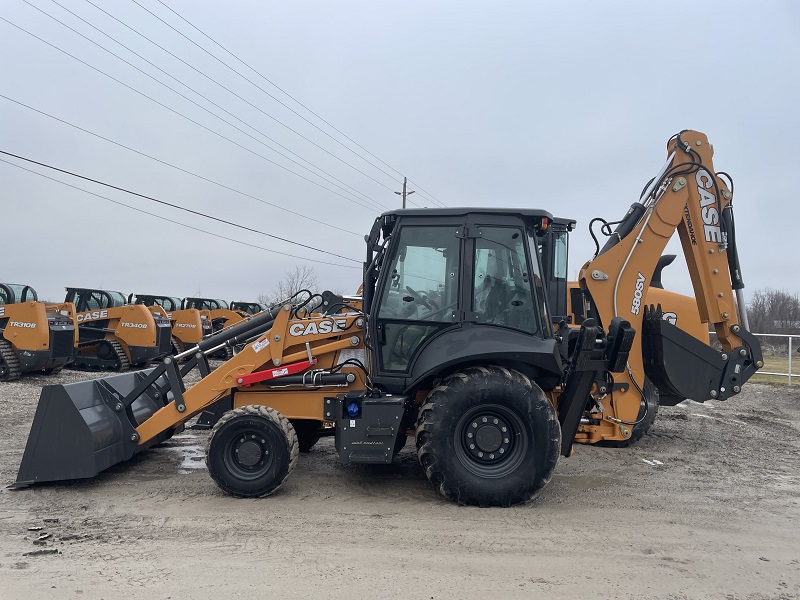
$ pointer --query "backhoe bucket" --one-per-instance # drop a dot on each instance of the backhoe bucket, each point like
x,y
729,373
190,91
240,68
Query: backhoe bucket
x,y
680,365
83,428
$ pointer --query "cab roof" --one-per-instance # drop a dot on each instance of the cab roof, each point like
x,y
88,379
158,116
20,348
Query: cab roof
x,y
532,213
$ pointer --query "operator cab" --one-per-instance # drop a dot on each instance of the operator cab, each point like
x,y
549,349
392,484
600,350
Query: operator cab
x,y
442,283
205,303
168,303
252,308
87,299
15,293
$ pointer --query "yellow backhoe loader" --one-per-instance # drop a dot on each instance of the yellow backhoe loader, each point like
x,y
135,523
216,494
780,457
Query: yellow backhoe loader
x,y
116,335
451,342
189,325
34,336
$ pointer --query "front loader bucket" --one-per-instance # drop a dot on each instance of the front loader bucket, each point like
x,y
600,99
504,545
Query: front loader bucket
x,y
81,429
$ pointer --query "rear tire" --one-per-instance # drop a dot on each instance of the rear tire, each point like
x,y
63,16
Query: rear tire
x,y
251,451
488,436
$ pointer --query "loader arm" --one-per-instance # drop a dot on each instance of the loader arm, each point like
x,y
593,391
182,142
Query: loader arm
x,y
689,196
282,345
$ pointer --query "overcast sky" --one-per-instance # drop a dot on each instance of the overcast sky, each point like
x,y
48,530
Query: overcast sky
x,y
561,106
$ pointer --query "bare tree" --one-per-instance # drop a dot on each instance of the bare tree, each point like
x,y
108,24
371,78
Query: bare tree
x,y
774,311
302,277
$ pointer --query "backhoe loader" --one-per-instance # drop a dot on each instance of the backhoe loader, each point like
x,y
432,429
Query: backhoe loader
x,y
34,336
189,325
116,335
451,342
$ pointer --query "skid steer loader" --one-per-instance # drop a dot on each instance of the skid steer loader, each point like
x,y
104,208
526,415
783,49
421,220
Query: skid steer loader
x,y
34,336
189,326
450,342
116,335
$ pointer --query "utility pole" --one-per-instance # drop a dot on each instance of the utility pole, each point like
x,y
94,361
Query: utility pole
x,y
404,193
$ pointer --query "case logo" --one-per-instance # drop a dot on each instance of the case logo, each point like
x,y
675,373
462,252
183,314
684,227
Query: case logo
x,y
92,315
314,327
708,213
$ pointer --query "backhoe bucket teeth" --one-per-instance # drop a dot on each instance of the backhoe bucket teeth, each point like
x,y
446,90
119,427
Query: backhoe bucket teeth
x,y
81,429
680,365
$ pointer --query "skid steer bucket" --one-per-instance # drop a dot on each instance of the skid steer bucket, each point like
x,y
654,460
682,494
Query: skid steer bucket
x,y
83,428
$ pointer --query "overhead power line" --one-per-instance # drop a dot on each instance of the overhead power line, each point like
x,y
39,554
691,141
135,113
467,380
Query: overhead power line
x,y
206,98
177,112
255,106
359,201
182,170
432,198
270,250
176,206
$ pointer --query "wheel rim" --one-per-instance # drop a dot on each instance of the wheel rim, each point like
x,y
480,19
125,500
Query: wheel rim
x,y
249,455
490,440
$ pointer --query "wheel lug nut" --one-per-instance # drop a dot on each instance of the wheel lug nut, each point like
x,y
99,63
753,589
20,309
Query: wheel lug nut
x,y
480,454
502,450
485,419
491,456
474,424
495,421
505,440
504,429
469,435
472,446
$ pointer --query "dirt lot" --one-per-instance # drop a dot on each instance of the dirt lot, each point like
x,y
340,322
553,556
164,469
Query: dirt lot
x,y
706,506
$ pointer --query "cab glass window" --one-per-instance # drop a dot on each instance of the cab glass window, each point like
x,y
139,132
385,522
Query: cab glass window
x,y
502,289
421,294
423,284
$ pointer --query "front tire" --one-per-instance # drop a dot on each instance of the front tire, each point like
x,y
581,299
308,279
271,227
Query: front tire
x,y
251,451
488,436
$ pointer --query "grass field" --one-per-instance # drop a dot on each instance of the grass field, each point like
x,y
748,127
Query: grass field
x,y
779,364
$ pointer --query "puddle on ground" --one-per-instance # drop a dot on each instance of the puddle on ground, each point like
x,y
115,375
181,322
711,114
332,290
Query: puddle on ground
x,y
193,457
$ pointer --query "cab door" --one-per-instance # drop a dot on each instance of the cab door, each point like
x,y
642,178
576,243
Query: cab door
x,y
421,295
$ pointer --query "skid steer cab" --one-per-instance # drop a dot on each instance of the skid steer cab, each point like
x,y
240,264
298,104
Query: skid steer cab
x,y
454,341
221,316
251,308
35,337
189,325
116,335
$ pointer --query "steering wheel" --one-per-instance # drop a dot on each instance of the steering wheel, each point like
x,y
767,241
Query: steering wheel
x,y
419,298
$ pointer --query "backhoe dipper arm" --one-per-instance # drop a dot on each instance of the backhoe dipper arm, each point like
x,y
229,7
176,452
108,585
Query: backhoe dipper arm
x,y
686,195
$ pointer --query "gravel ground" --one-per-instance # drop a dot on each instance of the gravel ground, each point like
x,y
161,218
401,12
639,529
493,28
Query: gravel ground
x,y
706,506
